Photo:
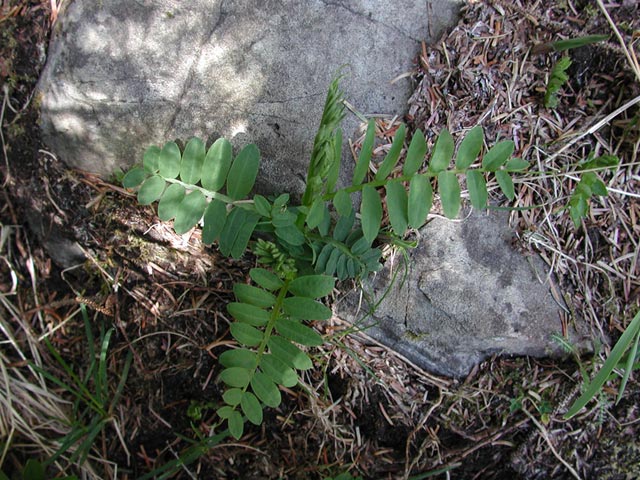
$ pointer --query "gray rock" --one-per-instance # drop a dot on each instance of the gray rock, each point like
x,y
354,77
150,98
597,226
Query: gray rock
x,y
122,75
467,295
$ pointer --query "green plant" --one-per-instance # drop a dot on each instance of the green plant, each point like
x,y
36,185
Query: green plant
x,y
628,342
306,247
35,470
557,78
94,402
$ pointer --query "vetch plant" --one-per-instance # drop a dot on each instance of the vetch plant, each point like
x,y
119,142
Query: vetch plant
x,y
303,249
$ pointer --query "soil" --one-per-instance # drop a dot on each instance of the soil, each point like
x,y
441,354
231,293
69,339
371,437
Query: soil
x,y
164,295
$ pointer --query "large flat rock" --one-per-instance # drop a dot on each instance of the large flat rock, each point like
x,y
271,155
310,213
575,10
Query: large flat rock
x,y
122,75
467,295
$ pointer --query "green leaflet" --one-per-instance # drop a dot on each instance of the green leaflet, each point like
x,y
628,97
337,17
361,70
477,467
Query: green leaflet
x,y
370,213
263,207
243,172
246,334
297,332
397,206
134,177
343,226
249,314
449,193
442,152
516,165
189,212
312,286
192,161
497,155
306,308
477,189
237,231
265,278
506,184
342,202
316,213
253,295
420,200
279,371
151,159
216,165
151,190
391,159
236,424
170,202
235,377
240,357
265,389
251,408
288,353
415,154
232,397
469,148
169,160
364,159
215,216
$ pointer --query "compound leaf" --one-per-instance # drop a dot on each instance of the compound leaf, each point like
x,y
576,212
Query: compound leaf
x,y
442,152
312,286
265,389
362,165
251,408
297,332
243,172
236,377
420,200
190,211
288,353
215,216
397,206
391,159
370,213
469,148
306,308
151,190
477,189
246,334
415,154
449,190
192,161
498,155
169,160
169,204
216,165
265,278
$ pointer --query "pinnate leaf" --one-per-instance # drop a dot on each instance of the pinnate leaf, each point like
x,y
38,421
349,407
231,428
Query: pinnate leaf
x,y
370,213
243,172
397,206
216,165
449,193
190,211
306,308
312,286
192,161
442,152
265,389
477,189
169,160
420,200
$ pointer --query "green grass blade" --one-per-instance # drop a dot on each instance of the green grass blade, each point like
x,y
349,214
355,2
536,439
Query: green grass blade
x,y
629,367
609,365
